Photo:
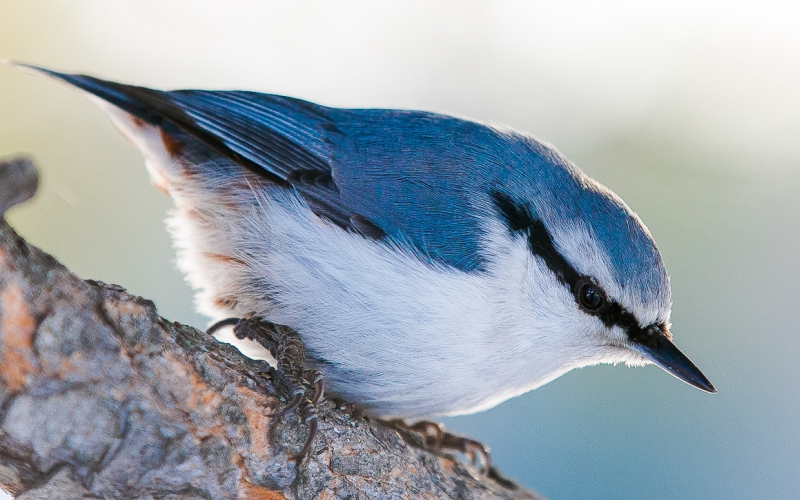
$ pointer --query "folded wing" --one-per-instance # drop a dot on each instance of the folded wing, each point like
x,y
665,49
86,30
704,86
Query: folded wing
x,y
411,176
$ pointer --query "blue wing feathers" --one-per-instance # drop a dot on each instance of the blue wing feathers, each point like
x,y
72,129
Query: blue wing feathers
x,y
402,174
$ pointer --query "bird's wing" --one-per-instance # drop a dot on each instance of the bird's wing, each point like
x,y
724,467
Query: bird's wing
x,y
411,176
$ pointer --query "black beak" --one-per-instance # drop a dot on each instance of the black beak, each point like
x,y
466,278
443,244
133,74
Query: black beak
x,y
655,345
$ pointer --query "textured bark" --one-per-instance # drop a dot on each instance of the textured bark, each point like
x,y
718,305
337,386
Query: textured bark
x,y
100,397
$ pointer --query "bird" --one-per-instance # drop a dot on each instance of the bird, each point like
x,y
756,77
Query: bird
x,y
431,265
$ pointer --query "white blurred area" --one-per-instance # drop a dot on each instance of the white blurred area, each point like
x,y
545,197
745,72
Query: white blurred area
x,y
725,70
690,110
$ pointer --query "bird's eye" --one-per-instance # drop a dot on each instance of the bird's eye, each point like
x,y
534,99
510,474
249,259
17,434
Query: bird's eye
x,y
591,297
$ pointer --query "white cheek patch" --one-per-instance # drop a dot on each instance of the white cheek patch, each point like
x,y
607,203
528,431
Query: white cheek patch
x,y
557,311
544,306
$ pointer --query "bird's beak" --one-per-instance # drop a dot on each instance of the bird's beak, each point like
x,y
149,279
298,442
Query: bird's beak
x,y
656,346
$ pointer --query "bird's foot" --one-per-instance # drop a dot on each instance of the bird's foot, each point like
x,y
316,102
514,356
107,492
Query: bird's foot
x,y
290,375
435,439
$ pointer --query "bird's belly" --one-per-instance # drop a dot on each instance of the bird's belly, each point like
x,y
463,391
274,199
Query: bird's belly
x,y
391,333
409,388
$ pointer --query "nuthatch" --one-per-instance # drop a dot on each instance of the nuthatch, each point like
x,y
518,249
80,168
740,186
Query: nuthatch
x,y
431,265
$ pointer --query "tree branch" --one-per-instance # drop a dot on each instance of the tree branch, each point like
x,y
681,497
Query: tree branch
x,y
100,397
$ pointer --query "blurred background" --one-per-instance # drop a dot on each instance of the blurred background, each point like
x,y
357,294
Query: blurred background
x,y
689,110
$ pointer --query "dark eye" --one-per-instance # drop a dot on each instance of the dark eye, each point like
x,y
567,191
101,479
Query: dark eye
x,y
591,297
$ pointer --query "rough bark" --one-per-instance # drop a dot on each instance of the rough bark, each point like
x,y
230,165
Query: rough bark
x,y
101,397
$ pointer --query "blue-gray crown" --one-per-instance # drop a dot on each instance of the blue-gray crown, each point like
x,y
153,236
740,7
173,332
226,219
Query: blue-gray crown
x,y
563,200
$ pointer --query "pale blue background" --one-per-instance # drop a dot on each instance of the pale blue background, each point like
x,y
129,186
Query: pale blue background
x,y
689,110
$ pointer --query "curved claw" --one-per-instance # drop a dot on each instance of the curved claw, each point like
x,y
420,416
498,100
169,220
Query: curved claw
x,y
313,426
222,324
293,404
319,391
478,455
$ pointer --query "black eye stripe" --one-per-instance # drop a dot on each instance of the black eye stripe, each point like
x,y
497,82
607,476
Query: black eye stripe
x,y
520,219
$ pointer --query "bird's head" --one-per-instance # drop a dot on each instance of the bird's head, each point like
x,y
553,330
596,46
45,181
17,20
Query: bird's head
x,y
595,279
